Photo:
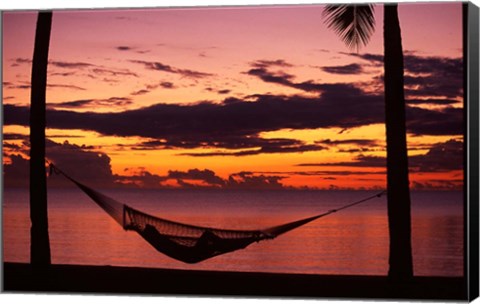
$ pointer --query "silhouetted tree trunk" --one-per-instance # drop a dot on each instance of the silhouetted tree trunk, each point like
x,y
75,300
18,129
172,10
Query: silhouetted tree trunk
x,y
40,245
400,260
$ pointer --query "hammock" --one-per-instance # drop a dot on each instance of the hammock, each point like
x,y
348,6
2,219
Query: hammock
x,y
184,242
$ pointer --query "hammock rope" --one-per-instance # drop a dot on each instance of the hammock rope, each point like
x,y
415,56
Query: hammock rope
x,y
185,242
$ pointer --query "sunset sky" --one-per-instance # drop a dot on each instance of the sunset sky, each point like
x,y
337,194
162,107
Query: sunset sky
x,y
258,98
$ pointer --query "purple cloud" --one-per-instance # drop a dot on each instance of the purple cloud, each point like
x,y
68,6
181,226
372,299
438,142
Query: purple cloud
x,y
158,66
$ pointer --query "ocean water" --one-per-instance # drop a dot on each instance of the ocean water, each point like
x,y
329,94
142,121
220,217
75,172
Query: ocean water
x,y
353,241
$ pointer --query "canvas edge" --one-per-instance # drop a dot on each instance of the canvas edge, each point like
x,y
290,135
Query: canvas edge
x,y
471,65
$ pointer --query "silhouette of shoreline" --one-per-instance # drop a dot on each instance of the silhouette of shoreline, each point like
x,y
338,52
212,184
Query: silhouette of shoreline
x,y
130,280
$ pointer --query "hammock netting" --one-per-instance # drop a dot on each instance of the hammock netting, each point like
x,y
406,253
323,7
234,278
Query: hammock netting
x,y
184,242
187,243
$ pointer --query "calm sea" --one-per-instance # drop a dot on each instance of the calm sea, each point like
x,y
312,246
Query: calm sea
x,y
353,241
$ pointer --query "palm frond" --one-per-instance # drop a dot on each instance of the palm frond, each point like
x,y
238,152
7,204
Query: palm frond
x,y
354,23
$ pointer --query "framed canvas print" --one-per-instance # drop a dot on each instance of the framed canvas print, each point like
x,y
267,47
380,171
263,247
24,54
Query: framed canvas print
x,y
304,151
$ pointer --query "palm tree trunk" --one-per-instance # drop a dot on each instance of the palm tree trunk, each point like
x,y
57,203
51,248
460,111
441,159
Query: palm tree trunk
x,y
400,259
39,246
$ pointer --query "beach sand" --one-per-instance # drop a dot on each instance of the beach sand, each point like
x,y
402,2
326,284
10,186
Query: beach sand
x,y
74,279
